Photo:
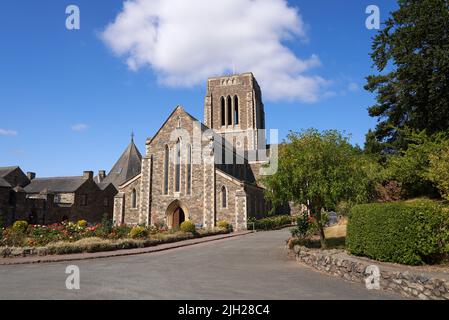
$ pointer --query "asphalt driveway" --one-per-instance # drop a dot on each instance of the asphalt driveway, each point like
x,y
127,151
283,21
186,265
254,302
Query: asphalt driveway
x,y
253,266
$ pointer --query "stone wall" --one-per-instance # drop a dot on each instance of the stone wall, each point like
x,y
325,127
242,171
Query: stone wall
x,y
232,187
193,202
407,283
250,107
42,208
5,214
131,215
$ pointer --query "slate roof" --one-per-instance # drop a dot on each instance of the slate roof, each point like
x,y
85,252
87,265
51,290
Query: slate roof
x,y
4,183
127,167
57,184
102,185
4,171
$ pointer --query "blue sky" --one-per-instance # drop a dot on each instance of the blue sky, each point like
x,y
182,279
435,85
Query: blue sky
x,y
54,81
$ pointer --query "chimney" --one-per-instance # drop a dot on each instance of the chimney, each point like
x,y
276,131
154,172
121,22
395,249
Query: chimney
x,y
101,175
88,174
31,175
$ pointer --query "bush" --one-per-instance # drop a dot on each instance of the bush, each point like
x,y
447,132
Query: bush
x,y
403,232
119,232
271,223
82,223
20,226
188,226
105,227
303,227
224,225
138,232
13,238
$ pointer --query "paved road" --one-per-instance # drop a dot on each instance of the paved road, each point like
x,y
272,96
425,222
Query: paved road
x,y
254,266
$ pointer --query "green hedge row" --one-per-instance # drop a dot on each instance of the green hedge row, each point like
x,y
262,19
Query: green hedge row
x,y
404,232
271,223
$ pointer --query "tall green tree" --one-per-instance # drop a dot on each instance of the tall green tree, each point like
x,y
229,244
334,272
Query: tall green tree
x,y
319,170
411,54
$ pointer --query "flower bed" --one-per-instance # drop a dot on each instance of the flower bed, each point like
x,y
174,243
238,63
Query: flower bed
x,y
67,238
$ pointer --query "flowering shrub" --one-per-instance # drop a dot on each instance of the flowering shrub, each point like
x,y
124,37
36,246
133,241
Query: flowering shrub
x,y
20,226
224,225
305,226
138,232
119,232
12,238
82,223
66,234
188,226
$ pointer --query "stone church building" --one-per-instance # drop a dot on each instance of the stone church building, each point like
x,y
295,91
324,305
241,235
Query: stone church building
x,y
203,172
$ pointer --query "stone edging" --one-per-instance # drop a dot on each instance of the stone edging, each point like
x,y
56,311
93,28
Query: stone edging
x,y
118,253
408,284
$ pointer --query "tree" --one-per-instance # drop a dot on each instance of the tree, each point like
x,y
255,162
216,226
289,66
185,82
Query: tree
x,y
413,49
438,172
319,170
410,167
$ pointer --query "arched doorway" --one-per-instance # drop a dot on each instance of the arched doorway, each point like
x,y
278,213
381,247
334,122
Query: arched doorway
x,y
178,218
176,214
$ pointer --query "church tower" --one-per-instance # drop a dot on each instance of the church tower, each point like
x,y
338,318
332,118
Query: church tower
x,y
233,107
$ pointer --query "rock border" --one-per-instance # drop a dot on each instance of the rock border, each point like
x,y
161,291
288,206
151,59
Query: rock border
x,y
408,284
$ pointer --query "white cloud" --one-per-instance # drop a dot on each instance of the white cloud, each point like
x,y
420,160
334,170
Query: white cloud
x,y
79,127
185,42
353,87
5,132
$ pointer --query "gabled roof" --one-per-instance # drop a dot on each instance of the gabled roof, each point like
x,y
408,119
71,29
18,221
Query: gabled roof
x,y
4,171
4,183
203,126
14,176
56,184
127,167
102,185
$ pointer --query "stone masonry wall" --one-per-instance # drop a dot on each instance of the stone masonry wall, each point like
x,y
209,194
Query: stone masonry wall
x,y
131,215
229,212
192,202
409,284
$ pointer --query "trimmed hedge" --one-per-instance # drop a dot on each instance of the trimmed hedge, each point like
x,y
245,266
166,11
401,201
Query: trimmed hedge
x,y
402,232
271,223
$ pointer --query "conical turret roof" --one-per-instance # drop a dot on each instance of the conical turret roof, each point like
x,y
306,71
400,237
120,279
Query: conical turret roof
x,y
127,167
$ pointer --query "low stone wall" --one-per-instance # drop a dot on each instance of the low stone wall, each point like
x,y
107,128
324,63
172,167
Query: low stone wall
x,y
409,284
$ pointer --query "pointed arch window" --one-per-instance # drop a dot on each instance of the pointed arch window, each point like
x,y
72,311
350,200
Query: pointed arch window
x,y
178,166
134,199
224,197
166,167
229,107
236,110
189,169
223,112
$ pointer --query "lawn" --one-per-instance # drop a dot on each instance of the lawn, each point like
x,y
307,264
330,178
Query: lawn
x,y
336,235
